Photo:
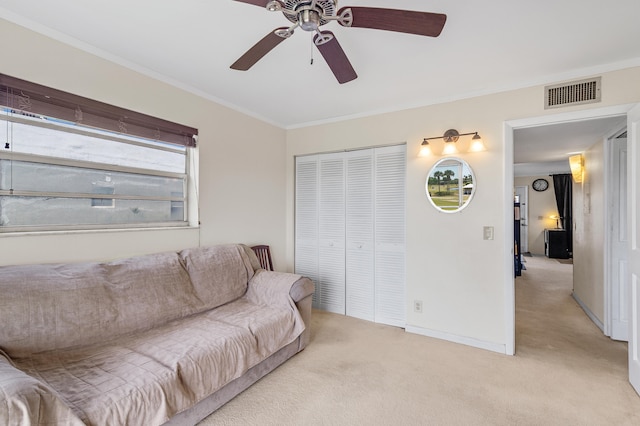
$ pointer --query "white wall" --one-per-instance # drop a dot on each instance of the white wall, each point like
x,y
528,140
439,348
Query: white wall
x,y
242,160
541,206
588,236
459,276
246,181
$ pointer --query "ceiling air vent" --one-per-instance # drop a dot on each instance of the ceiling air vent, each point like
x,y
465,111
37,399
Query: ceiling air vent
x,y
574,93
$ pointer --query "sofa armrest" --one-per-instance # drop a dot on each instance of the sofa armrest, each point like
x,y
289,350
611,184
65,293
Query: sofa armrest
x,y
278,288
24,400
283,288
301,289
302,293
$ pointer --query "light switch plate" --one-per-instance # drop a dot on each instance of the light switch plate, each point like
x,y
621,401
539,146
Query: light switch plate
x,y
487,232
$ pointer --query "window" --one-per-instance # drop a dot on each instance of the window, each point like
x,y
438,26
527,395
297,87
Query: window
x,y
103,188
61,174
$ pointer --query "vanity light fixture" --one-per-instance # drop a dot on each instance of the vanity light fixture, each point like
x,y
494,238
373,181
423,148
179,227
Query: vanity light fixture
x,y
450,138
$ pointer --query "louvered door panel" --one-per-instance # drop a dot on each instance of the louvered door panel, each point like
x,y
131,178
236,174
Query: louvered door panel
x,y
306,226
360,282
332,233
390,176
350,231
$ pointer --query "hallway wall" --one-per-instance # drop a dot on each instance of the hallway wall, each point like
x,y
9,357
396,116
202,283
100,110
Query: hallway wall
x,y
588,235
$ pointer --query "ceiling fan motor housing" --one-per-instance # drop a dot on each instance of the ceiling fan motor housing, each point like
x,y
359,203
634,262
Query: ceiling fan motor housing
x,y
308,18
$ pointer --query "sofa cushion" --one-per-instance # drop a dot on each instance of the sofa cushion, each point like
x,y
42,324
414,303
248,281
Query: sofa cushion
x,y
219,273
48,307
148,377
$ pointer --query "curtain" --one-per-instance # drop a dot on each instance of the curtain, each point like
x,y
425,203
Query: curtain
x,y
563,187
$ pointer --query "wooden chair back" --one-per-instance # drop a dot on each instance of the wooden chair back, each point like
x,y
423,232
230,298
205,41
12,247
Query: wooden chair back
x,y
264,256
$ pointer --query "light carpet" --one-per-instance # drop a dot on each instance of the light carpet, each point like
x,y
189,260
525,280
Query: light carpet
x,y
354,372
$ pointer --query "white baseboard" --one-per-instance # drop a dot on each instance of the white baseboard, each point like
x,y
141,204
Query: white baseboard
x,y
481,344
587,311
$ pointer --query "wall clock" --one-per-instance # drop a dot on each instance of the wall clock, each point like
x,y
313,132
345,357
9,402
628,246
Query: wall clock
x,y
540,185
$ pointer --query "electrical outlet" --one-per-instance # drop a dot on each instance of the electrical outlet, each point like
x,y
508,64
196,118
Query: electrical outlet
x,y
417,306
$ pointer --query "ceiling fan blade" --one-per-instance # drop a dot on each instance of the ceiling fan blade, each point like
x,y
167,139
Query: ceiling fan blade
x,y
402,21
261,3
335,57
261,48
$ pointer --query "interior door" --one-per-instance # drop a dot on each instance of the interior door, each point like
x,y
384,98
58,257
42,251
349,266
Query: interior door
x,y
523,195
633,219
619,263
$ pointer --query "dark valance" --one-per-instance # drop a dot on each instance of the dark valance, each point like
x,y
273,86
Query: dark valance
x,y
26,97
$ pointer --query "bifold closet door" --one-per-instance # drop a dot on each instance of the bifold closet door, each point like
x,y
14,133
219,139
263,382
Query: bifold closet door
x,y
360,279
306,217
390,202
320,227
350,231
331,232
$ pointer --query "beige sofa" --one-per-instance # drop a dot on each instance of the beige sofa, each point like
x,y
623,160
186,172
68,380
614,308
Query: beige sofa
x,y
162,338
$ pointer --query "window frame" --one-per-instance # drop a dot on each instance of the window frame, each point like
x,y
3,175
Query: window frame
x,y
132,128
107,168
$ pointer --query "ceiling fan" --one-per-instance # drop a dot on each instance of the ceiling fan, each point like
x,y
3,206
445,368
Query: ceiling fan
x,y
310,15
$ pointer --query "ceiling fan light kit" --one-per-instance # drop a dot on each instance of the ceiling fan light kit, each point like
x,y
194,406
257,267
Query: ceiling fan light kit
x,y
310,15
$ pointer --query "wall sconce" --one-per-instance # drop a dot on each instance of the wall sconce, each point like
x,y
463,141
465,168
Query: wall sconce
x,y
450,138
576,162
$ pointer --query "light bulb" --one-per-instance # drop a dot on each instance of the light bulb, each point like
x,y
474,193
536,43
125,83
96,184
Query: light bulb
x,y
449,148
476,144
425,149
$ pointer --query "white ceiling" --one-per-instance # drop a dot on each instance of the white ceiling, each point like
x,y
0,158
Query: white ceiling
x,y
486,46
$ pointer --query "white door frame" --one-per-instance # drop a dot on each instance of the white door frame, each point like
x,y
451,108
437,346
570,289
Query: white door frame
x,y
508,129
609,261
633,214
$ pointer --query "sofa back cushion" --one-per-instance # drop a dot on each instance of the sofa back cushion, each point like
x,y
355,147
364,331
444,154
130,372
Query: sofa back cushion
x,y
219,274
47,307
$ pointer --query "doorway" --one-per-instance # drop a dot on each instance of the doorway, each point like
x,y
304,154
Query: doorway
x,y
510,127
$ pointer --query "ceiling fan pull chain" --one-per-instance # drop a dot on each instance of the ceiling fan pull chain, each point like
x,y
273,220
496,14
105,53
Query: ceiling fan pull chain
x,y
311,50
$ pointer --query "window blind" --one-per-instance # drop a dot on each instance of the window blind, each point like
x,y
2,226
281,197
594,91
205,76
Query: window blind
x,y
31,98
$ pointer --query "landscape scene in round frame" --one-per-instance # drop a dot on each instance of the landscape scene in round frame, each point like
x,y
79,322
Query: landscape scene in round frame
x,y
450,185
